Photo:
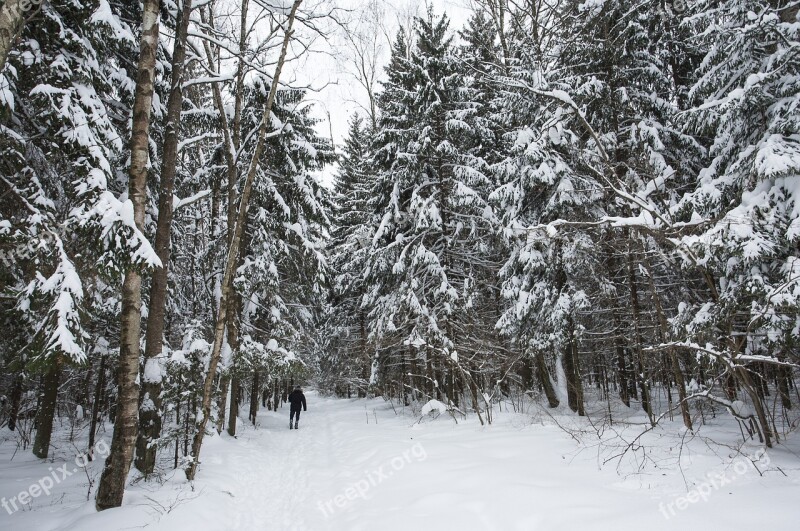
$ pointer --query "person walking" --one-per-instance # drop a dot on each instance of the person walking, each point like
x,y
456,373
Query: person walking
x,y
296,398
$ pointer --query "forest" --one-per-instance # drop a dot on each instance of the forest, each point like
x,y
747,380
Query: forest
x,y
593,206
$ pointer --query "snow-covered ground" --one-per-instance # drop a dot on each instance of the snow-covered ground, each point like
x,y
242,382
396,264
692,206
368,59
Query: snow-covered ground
x,y
361,465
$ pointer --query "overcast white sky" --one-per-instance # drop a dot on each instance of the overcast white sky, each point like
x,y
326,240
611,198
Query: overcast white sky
x,y
329,67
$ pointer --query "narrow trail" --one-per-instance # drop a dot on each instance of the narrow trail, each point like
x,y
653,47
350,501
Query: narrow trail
x,y
284,474
268,478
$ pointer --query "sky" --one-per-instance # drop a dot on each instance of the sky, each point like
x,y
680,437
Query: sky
x,y
337,94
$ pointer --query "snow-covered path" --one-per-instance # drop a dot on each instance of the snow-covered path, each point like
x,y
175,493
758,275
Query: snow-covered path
x,y
357,465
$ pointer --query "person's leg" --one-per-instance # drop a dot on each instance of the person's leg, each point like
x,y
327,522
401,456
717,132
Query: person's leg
x,y
297,419
291,417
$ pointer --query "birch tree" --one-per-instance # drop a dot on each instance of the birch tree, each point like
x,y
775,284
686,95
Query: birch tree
x,y
115,473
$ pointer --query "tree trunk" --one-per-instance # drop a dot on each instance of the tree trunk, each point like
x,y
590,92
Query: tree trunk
x,y
525,373
115,473
622,366
643,387
431,377
545,381
150,409
254,394
784,376
578,380
677,372
47,408
232,338
233,412
365,361
12,20
758,404
16,398
469,381
232,134
730,386
452,389
233,255
221,401
97,403
276,395
572,372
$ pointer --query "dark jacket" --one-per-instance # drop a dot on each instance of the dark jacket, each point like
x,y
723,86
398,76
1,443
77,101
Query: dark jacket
x,y
296,398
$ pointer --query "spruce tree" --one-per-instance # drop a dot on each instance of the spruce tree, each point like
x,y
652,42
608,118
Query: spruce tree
x,y
431,205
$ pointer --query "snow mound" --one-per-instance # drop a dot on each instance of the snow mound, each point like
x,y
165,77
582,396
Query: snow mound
x,y
740,409
434,405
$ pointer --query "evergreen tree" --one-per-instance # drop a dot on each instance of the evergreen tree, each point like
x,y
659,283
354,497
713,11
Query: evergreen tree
x,y
431,202
284,273
745,198
597,144
61,148
348,357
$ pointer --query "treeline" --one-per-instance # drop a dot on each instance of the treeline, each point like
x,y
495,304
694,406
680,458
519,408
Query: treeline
x,y
162,232
587,200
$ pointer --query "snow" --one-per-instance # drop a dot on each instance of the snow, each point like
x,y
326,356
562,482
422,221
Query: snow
x,y
225,352
740,409
434,405
561,381
199,345
111,213
179,203
147,403
555,135
104,15
178,357
207,80
152,371
344,470
6,94
415,340
306,146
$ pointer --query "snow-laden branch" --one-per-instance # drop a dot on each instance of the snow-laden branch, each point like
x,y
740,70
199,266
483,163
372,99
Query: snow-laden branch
x,y
207,80
726,357
189,141
178,203
562,97
737,408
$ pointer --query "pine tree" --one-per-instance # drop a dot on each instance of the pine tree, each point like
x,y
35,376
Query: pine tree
x,y
431,200
64,217
744,199
283,275
597,156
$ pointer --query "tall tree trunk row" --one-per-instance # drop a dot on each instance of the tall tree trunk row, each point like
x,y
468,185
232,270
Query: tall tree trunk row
x,y
233,254
150,410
